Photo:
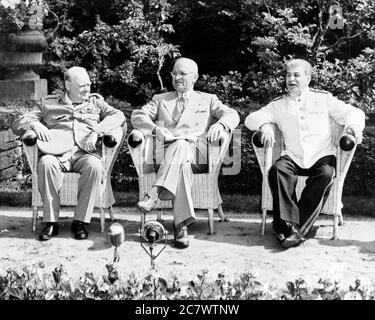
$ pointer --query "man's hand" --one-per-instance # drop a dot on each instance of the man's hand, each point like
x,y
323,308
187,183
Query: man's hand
x,y
268,136
215,132
91,141
163,134
41,131
356,132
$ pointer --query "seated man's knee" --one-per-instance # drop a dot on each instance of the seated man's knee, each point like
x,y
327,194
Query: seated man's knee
x,y
327,172
47,161
186,167
181,144
275,168
94,164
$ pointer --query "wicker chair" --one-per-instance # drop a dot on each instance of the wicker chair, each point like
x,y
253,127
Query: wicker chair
x,y
69,189
267,156
205,190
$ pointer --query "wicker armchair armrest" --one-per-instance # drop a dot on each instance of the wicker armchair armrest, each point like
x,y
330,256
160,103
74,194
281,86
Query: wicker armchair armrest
x,y
31,149
217,151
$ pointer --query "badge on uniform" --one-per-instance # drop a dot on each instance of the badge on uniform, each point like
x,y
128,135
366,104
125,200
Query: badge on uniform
x,y
61,142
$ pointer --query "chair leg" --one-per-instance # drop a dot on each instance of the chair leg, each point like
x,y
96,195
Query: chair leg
x,y
35,217
158,218
112,216
341,220
335,226
264,217
102,220
143,218
223,218
211,221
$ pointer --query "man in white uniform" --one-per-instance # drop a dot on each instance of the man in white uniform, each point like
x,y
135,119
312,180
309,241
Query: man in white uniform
x,y
183,119
303,116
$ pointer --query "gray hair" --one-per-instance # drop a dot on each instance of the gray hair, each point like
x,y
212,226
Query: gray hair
x,y
190,61
300,62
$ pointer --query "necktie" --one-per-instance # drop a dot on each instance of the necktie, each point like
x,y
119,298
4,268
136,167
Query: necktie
x,y
180,106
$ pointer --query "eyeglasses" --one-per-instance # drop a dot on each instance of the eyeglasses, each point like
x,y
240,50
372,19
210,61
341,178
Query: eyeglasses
x,y
181,74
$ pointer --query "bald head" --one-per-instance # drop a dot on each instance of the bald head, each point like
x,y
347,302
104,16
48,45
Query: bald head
x,y
77,84
74,71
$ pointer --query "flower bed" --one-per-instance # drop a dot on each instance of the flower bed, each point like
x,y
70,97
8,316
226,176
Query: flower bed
x,y
32,282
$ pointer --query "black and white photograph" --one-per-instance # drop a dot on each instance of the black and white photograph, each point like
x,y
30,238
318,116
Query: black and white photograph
x,y
187,155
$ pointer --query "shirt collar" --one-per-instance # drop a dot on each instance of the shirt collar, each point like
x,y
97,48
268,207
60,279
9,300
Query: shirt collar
x,y
67,99
186,94
70,101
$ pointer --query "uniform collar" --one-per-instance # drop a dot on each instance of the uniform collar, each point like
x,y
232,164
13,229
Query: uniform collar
x,y
69,101
301,97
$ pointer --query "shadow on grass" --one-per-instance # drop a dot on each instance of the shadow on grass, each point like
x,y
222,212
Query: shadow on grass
x,y
238,231
243,233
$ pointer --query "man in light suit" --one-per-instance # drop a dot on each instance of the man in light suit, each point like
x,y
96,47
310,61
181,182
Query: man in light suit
x,y
84,117
183,119
303,116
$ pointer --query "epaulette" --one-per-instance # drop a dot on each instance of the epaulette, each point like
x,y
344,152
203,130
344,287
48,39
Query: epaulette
x,y
52,96
48,99
279,97
319,91
96,95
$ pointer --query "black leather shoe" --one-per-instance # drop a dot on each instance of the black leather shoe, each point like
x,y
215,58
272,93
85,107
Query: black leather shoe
x,y
78,229
281,230
181,239
50,229
293,240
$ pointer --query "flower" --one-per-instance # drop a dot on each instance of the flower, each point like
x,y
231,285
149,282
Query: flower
x,y
17,15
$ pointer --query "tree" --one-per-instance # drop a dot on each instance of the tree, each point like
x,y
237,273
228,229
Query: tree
x,y
123,49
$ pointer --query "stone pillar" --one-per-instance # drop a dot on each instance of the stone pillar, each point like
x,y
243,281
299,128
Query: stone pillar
x,y
10,148
20,53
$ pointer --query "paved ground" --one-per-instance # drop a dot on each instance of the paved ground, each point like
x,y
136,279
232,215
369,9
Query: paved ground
x,y
236,247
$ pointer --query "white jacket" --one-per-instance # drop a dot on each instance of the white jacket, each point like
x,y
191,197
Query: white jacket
x,y
305,123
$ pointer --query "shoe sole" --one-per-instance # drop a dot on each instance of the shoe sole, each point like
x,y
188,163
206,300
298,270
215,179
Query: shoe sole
x,y
181,244
289,244
81,238
54,234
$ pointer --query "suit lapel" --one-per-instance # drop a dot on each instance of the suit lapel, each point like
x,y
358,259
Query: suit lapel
x,y
190,108
170,104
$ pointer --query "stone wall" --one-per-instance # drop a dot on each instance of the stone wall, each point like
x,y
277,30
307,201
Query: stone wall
x,y
10,148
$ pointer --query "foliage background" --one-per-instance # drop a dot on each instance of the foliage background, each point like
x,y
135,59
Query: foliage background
x,y
128,47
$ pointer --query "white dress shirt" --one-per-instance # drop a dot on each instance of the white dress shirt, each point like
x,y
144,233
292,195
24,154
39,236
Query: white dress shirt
x,y
305,123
